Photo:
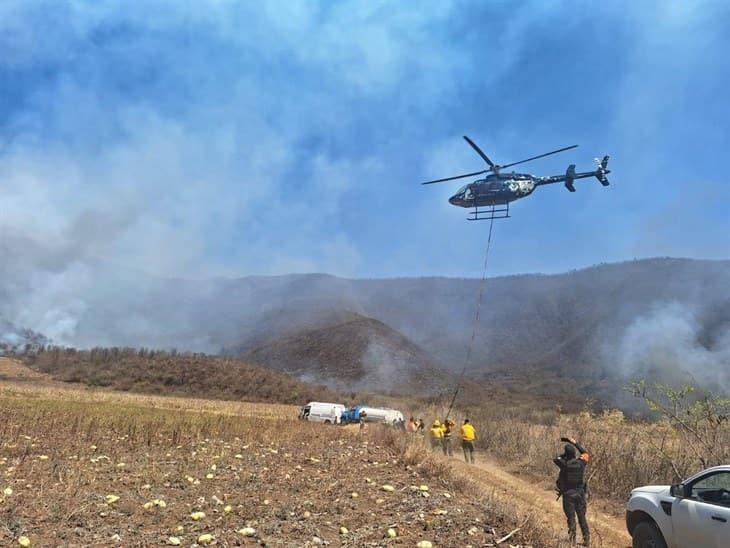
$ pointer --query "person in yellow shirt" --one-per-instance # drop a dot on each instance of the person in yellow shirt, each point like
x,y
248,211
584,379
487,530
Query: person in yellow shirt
x,y
468,435
446,429
437,435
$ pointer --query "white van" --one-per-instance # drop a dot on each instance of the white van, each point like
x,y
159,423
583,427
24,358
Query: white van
x,y
382,415
328,413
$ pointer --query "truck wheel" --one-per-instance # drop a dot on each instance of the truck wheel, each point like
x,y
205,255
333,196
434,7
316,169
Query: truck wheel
x,y
328,421
647,535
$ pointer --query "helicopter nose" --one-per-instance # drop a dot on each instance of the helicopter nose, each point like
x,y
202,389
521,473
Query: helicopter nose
x,y
454,199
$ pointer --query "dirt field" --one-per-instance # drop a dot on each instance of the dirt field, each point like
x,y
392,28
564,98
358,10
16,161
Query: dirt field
x,y
67,453
93,468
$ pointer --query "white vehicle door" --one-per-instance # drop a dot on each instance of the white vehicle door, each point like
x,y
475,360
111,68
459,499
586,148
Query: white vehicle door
x,y
703,518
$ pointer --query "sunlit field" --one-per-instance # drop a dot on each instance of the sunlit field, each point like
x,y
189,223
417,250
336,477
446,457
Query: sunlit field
x,y
84,468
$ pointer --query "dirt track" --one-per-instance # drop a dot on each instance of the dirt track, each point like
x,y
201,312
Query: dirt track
x,y
607,530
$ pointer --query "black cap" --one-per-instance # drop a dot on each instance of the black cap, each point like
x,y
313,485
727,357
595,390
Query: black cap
x,y
570,450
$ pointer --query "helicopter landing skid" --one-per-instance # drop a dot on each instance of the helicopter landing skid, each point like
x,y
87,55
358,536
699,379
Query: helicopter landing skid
x,y
500,211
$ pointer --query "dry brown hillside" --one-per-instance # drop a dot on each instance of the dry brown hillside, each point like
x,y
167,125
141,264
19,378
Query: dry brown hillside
x,y
168,373
359,353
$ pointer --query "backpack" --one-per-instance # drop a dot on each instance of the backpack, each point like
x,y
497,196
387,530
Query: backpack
x,y
571,477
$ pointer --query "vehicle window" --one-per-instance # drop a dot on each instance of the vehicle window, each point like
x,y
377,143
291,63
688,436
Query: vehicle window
x,y
714,489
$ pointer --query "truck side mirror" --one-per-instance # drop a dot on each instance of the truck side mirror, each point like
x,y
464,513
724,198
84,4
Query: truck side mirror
x,y
677,490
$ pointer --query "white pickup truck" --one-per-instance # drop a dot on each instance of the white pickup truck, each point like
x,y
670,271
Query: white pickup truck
x,y
691,514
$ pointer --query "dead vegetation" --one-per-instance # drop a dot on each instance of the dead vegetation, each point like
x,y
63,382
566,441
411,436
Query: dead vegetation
x,y
684,435
172,373
79,473
504,508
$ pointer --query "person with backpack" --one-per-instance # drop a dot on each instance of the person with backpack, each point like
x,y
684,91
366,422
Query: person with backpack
x,y
571,485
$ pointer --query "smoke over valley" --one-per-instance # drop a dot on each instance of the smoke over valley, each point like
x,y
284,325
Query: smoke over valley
x,y
661,319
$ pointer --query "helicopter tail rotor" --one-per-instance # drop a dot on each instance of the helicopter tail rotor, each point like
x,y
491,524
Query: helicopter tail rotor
x,y
602,171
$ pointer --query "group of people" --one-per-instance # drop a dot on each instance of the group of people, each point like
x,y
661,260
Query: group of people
x,y
441,434
571,484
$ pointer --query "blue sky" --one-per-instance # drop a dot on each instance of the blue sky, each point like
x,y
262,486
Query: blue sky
x,y
215,138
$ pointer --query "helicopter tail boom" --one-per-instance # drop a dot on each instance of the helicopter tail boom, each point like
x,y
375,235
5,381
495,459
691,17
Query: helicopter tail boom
x,y
601,174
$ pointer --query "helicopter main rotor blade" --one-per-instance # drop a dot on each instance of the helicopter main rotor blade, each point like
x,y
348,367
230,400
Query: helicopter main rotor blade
x,y
479,151
456,177
540,156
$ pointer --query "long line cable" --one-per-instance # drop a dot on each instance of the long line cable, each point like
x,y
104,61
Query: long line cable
x,y
475,325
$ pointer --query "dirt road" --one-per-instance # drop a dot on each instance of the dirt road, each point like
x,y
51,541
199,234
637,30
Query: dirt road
x,y
606,530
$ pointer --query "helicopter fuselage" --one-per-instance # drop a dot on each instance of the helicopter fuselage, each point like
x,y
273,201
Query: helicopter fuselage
x,y
503,188
495,191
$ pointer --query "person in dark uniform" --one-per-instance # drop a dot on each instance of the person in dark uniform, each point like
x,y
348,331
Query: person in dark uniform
x,y
571,486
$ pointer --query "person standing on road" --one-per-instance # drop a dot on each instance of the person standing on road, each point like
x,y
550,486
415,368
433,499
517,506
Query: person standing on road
x,y
571,485
447,431
436,434
468,435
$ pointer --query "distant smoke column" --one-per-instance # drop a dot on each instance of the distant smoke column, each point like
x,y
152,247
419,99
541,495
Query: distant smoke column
x,y
667,340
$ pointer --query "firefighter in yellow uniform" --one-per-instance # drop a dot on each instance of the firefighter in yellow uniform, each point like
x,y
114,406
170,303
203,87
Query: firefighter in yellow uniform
x,y
436,435
468,435
447,429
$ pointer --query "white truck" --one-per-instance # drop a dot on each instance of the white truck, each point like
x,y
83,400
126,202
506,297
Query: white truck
x,y
316,411
691,514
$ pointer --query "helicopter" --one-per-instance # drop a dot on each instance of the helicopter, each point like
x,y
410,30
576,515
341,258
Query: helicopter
x,y
490,197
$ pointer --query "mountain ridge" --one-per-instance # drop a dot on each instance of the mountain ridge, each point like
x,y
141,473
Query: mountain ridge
x,y
600,324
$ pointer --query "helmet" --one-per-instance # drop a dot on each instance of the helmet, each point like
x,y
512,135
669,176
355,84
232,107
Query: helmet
x,y
436,423
569,451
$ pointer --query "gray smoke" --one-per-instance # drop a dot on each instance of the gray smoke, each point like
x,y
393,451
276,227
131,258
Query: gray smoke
x,y
386,366
670,342
14,339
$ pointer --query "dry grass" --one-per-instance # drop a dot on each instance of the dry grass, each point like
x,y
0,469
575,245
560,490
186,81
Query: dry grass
x,y
72,393
290,481
502,507
625,453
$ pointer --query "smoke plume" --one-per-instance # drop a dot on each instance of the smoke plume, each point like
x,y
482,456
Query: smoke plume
x,y
670,342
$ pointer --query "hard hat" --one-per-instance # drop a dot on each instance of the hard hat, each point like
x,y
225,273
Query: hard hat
x,y
436,423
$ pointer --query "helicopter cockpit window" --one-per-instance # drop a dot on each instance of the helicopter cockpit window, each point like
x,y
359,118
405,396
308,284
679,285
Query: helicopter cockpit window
x,y
467,193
